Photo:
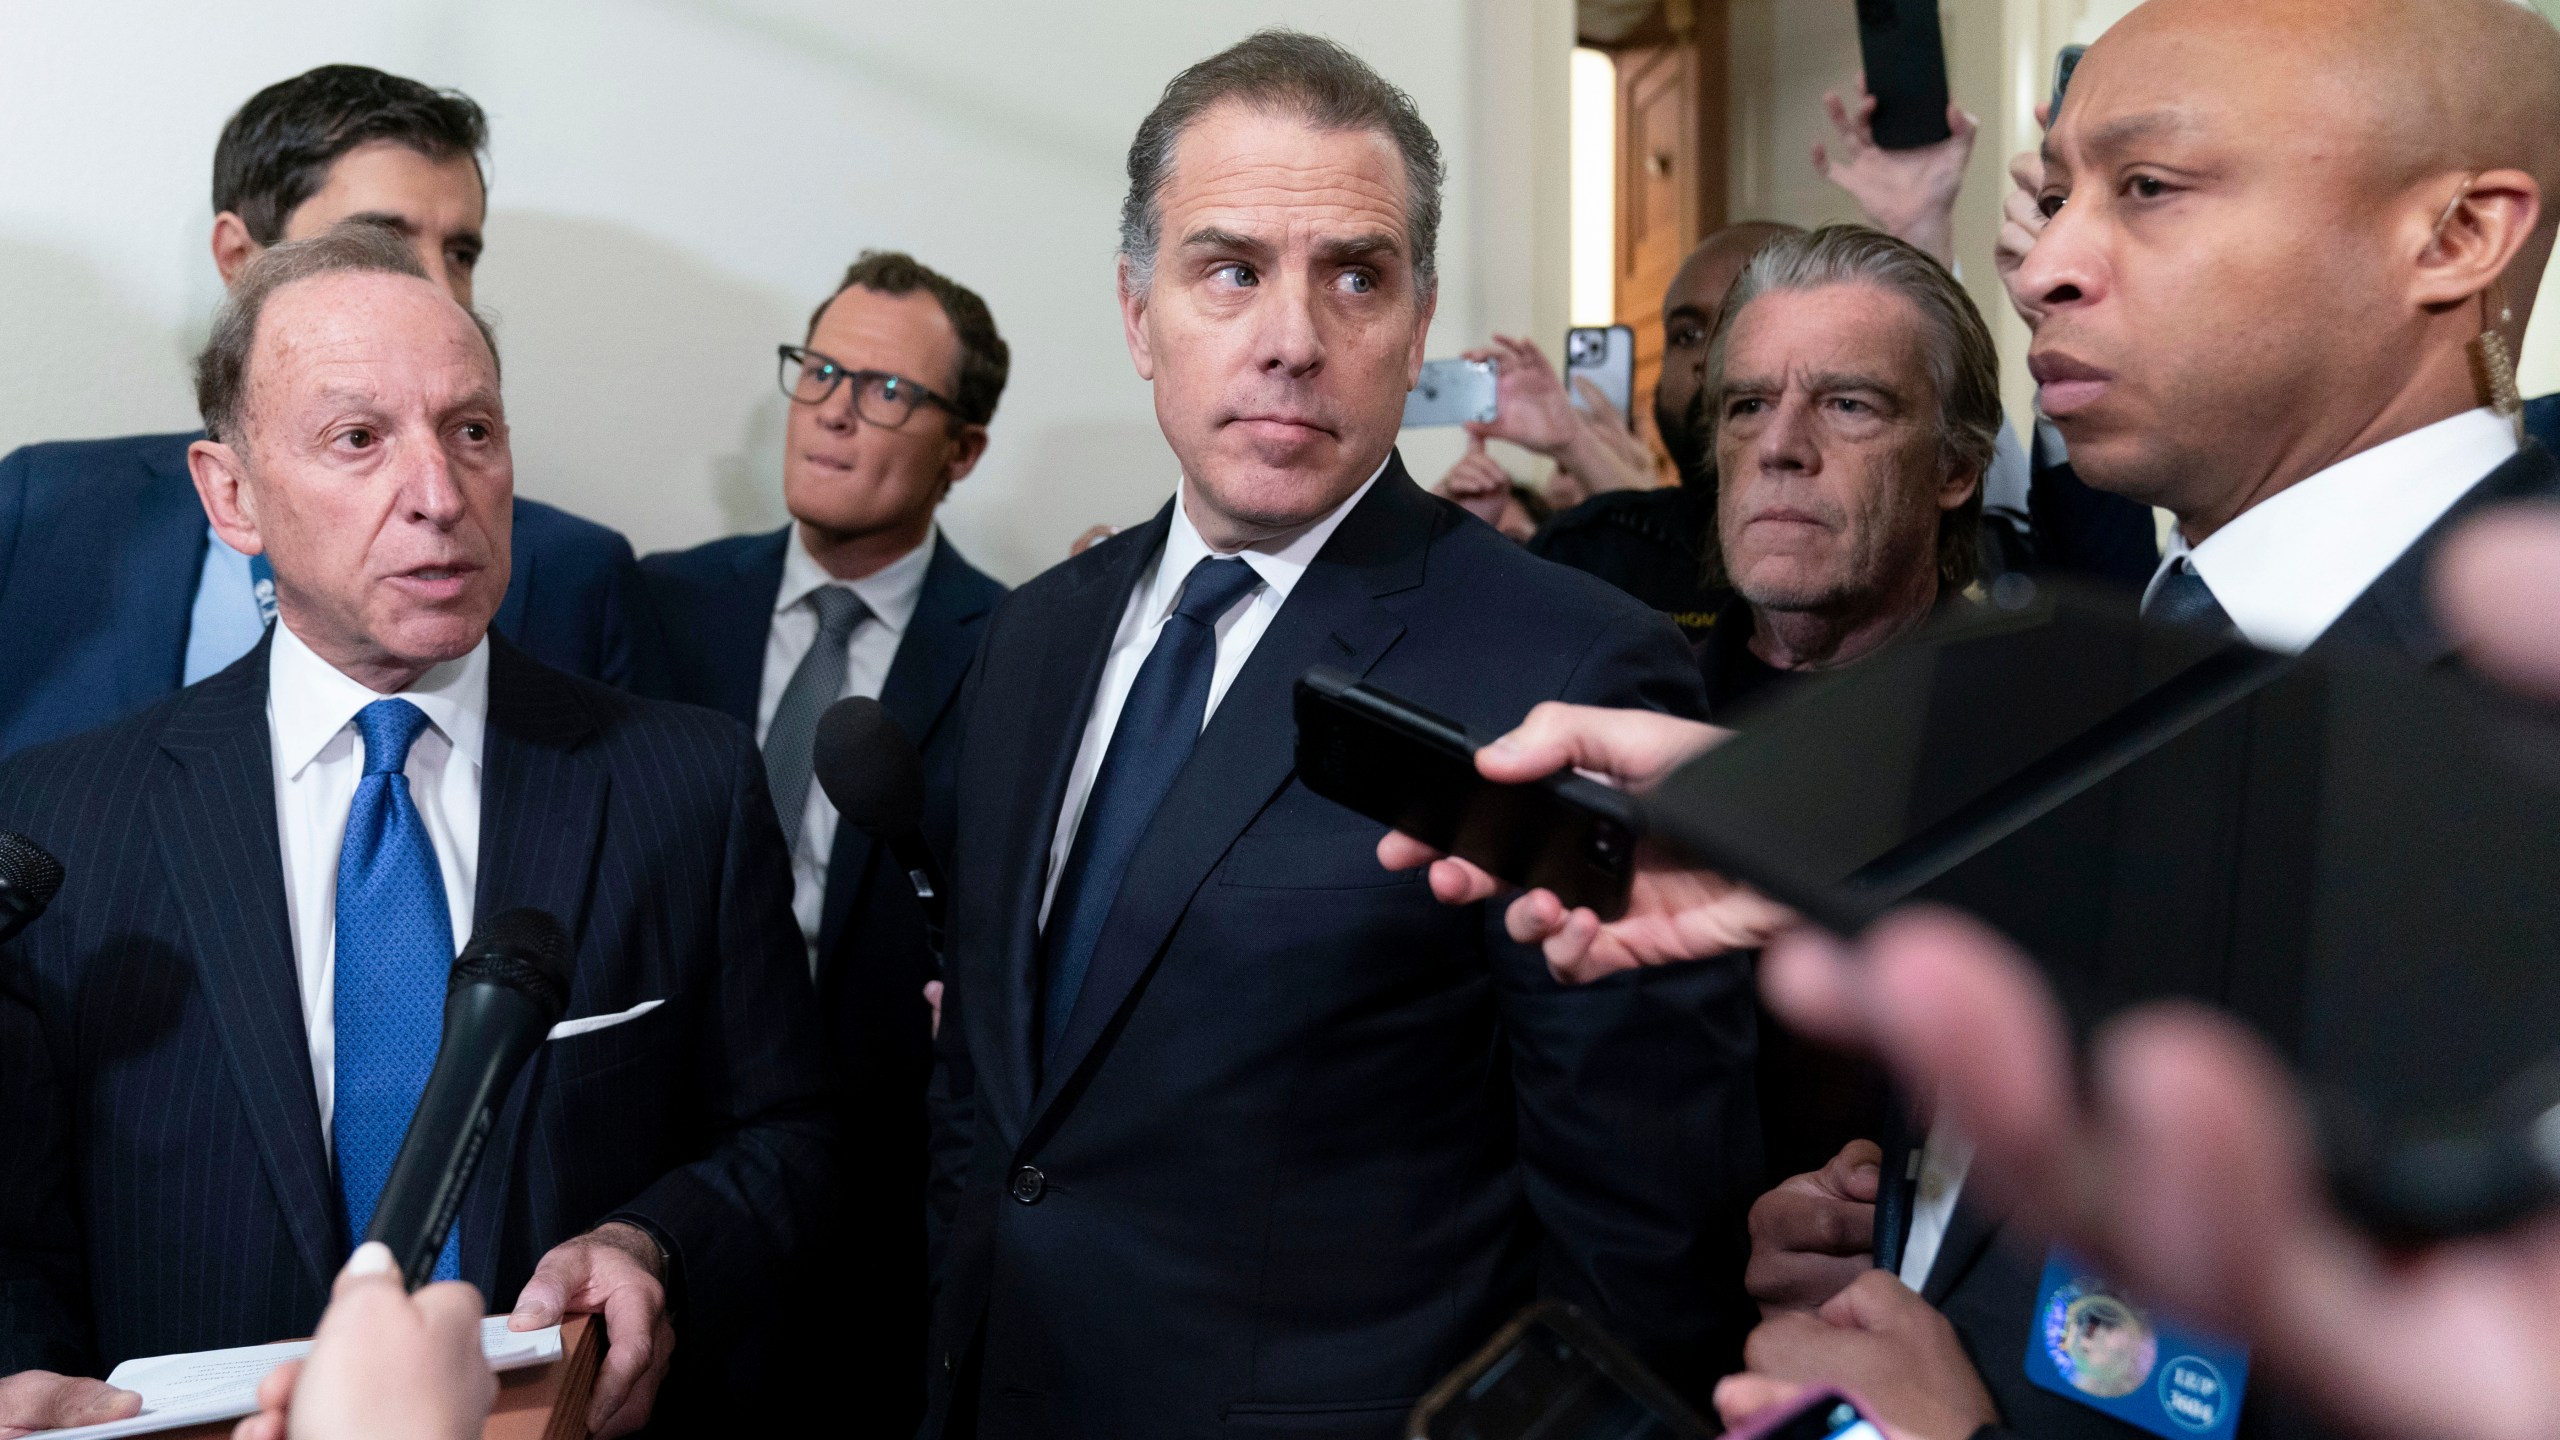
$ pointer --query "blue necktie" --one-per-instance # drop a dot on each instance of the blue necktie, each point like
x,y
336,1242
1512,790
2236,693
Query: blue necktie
x,y
2182,598
1167,705
395,950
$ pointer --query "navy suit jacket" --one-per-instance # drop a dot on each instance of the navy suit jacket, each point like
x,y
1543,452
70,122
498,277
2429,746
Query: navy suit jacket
x,y
167,1186
715,607
102,543
1310,1136
2192,931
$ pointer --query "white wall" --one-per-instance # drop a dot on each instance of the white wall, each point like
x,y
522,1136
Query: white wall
x,y
675,183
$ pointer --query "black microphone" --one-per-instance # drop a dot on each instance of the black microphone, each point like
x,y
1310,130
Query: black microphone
x,y
508,988
875,779
28,879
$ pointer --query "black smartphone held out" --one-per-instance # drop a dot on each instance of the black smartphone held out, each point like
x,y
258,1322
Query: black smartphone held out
x,y
1401,765
1906,64
1553,1375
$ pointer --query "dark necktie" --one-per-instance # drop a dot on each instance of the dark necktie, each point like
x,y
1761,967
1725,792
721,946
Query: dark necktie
x,y
2182,598
395,951
789,742
1160,722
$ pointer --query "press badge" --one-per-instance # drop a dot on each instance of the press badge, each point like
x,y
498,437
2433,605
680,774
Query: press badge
x,y
2089,1342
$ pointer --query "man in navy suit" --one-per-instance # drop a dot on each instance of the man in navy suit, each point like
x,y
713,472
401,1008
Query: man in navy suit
x,y
222,1025
113,589
1235,1132
892,390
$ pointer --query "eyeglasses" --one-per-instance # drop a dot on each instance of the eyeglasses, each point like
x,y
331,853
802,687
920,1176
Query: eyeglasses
x,y
879,397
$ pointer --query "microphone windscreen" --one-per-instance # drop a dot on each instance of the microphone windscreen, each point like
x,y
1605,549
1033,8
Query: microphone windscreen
x,y
522,949
869,768
25,867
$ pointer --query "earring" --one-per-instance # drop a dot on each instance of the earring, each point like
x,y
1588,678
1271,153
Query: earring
x,y
2496,363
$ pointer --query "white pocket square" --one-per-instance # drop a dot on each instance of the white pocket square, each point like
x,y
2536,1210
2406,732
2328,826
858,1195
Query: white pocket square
x,y
592,1023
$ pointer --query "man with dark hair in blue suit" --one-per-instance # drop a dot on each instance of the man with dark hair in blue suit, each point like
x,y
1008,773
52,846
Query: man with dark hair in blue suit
x,y
113,589
892,389
221,1028
1234,1132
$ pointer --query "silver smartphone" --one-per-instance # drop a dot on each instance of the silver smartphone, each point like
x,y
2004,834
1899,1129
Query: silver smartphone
x,y
1606,356
1451,392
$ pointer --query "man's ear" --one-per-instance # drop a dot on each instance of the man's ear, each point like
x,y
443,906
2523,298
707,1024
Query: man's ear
x,y
2479,237
968,444
1133,323
232,247
1429,306
1957,485
222,483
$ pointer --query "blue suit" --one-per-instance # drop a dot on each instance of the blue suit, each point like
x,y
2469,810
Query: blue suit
x,y
101,544
1310,1136
714,607
167,1185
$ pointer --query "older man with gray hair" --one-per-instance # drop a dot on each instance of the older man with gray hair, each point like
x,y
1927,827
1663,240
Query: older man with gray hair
x,y
1237,1134
1855,395
222,1026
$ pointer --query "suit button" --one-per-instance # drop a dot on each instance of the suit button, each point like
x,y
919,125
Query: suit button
x,y
1029,1184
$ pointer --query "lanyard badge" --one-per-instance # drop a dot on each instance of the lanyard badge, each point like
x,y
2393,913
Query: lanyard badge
x,y
2091,1343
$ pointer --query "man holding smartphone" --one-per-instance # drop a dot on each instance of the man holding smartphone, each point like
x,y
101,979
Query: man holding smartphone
x,y
1232,1130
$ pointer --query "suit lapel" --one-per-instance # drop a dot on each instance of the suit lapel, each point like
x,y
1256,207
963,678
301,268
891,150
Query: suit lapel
x,y
2393,612
1078,631
158,575
214,819
932,657
1248,751
735,631
542,816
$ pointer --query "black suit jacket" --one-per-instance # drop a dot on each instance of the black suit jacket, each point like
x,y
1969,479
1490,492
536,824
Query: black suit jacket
x,y
715,607
167,1186
1310,1136
2196,932
102,543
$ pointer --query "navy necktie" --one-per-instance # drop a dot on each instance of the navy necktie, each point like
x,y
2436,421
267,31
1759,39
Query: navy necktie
x,y
1168,703
2182,598
395,951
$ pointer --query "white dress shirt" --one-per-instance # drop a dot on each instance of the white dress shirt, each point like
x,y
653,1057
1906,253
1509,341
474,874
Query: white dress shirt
x,y
1943,1160
891,592
319,757
1278,562
2287,567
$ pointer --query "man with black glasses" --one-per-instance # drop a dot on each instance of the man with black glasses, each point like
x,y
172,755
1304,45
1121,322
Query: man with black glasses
x,y
891,393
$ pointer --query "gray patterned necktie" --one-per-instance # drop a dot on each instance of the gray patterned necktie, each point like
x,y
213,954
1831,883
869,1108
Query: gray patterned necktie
x,y
814,686
2182,598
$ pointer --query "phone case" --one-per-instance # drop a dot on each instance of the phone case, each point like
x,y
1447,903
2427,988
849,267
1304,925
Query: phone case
x,y
1906,71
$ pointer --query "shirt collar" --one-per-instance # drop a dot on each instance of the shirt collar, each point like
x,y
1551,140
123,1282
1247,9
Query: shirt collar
x,y
310,700
1278,562
892,592
2287,567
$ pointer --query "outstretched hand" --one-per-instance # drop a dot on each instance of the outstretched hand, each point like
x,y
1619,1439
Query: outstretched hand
x,y
1674,911
1908,194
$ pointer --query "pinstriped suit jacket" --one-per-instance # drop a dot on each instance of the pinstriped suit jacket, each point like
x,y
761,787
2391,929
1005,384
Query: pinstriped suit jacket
x,y
163,1182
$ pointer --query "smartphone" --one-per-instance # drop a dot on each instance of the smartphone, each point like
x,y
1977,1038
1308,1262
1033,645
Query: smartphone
x,y
1822,1415
2153,814
1553,1375
1401,765
1451,392
2064,62
1606,356
1906,62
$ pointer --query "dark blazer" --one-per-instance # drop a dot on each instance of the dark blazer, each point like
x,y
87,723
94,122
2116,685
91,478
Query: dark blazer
x,y
168,1187
102,543
715,607
1309,1136
2198,942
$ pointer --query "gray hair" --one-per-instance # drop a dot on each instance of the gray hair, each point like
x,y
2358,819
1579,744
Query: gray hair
x,y
1963,363
1293,73
351,246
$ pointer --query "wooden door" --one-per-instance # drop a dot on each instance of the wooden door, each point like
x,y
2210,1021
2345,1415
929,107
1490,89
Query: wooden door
x,y
1671,168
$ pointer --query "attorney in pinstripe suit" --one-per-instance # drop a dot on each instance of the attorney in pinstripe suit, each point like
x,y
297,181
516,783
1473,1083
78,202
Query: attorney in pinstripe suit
x,y
234,1001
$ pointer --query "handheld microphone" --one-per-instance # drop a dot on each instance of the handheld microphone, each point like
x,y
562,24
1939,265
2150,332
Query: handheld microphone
x,y
508,988
28,879
875,779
